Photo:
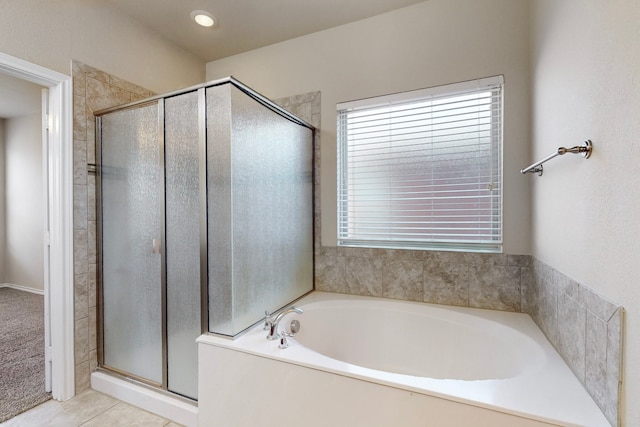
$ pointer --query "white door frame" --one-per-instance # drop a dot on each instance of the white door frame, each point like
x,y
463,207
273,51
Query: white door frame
x,y
59,293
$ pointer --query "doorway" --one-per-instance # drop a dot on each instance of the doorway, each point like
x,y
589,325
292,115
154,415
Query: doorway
x,y
22,358
57,219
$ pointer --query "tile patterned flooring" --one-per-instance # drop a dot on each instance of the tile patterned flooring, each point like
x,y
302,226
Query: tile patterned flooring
x,y
88,409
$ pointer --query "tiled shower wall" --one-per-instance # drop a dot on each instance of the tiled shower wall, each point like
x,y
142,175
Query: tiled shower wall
x,y
584,327
92,90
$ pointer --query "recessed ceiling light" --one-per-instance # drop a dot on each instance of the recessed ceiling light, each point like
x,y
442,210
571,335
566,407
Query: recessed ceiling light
x,y
204,18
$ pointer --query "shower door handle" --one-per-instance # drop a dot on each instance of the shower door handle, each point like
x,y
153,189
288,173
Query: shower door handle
x,y
156,246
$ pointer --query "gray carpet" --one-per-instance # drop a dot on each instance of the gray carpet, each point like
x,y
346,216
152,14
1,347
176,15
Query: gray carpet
x,y
21,352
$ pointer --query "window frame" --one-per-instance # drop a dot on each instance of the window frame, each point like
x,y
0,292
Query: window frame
x,y
494,84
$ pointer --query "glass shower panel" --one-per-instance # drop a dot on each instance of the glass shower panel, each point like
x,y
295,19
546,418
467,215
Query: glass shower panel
x,y
260,214
132,203
184,322
219,210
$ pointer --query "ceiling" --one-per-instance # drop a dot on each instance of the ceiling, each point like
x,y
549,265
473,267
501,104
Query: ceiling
x,y
242,25
18,97
245,25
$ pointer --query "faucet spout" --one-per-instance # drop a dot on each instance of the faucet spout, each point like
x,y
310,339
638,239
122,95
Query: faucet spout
x,y
272,323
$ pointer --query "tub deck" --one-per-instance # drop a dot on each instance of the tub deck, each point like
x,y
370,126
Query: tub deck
x,y
545,393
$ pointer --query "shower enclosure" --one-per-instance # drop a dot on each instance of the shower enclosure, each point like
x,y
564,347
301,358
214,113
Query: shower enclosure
x,y
205,221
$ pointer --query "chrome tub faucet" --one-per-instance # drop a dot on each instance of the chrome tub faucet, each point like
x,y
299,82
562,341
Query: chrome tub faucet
x,y
271,323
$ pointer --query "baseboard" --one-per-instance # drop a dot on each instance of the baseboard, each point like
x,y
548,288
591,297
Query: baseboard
x,y
157,403
22,288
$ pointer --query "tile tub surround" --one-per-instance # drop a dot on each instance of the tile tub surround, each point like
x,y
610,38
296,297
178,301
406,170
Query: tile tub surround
x,y
92,90
585,328
492,281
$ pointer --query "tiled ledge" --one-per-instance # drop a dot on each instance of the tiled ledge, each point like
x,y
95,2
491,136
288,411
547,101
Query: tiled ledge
x,y
584,327
492,281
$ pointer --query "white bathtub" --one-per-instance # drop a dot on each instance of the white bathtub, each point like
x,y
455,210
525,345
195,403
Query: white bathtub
x,y
361,361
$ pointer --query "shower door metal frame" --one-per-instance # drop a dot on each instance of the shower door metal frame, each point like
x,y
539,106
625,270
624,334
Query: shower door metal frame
x,y
99,232
163,244
202,141
204,250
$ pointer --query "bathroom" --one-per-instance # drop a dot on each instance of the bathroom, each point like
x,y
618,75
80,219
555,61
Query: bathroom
x,y
563,61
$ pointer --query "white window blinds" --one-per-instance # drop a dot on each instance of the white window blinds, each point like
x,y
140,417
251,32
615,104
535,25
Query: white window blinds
x,y
423,169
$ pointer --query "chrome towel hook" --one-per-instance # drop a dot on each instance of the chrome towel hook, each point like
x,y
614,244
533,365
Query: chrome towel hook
x,y
585,150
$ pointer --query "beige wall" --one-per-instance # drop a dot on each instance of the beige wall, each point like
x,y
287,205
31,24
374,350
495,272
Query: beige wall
x,y
24,202
52,33
432,43
586,69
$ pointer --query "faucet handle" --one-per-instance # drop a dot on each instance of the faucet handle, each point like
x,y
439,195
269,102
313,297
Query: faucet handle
x,y
283,341
267,320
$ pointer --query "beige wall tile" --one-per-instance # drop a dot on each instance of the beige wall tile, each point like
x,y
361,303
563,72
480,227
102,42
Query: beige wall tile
x,y
81,342
403,279
91,285
364,276
101,95
92,242
571,334
330,273
81,304
79,162
446,283
80,200
495,287
83,377
129,87
596,358
93,330
79,122
91,198
80,251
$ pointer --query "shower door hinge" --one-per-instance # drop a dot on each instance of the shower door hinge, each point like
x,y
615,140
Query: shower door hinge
x,y
47,354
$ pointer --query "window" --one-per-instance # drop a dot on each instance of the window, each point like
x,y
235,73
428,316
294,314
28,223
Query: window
x,y
423,169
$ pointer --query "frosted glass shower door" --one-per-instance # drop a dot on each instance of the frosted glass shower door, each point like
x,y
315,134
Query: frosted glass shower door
x,y
183,239
260,209
132,205
206,220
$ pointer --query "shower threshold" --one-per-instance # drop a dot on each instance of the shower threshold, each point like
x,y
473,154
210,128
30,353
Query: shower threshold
x,y
164,404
